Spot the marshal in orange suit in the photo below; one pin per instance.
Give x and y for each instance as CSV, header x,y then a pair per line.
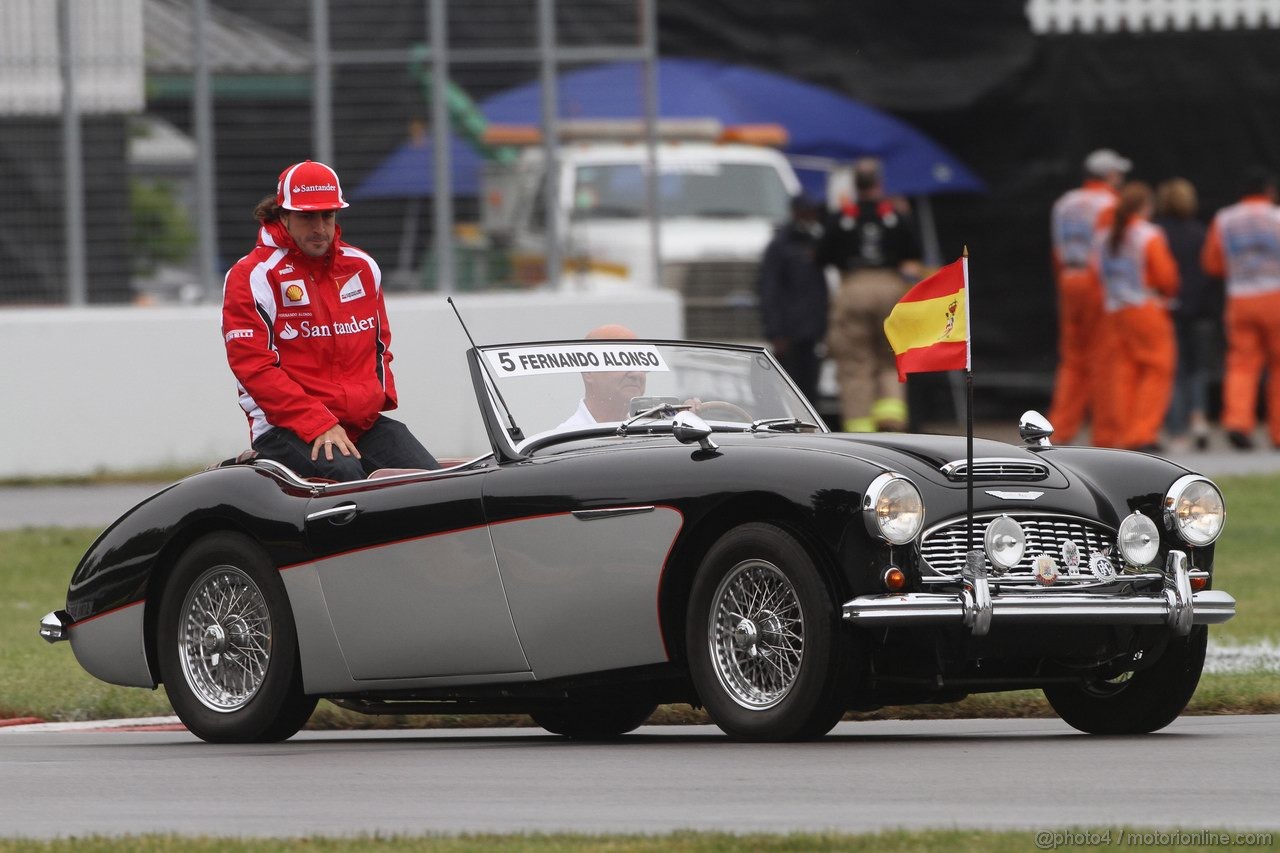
x,y
1076,216
1137,274
1243,247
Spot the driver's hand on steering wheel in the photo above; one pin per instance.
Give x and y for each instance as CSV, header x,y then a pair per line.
x,y
334,437
694,404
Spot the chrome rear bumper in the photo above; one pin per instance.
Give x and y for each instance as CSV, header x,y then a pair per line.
x,y
975,607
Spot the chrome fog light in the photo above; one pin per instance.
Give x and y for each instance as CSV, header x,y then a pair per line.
x,y
1005,543
893,509
1139,540
1194,509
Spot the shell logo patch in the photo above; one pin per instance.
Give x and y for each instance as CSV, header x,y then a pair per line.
x,y
294,293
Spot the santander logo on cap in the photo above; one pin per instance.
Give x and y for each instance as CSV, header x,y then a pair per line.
x,y
309,186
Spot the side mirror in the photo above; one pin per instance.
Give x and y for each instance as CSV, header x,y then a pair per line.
x,y
688,428
1034,428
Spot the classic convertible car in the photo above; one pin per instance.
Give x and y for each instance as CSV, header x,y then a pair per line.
x,y
662,522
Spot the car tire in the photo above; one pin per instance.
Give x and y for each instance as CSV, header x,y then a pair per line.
x,y
595,719
1144,701
773,673
227,646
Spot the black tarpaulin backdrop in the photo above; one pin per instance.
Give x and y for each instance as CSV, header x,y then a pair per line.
x,y
1023,111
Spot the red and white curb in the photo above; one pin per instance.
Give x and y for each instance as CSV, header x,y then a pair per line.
x,y
134,724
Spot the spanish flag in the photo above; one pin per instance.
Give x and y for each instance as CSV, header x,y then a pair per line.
x,y
929,327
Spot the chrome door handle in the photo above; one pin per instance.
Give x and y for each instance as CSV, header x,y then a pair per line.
x,y
340,514
610,512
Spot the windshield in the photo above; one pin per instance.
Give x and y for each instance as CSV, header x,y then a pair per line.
x,y
703,189
596,385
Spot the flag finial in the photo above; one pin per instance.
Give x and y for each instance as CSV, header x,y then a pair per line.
x,y
965,253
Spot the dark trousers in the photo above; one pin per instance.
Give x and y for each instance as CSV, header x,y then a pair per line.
x,y
387,444
801,362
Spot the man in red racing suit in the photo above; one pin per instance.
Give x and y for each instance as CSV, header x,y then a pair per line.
x,y
307,338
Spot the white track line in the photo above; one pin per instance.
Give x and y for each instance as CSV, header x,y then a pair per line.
x,y
91,725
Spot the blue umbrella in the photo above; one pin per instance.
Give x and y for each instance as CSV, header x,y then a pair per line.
x,y
410,172
820,123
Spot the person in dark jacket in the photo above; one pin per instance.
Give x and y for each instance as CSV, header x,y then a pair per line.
x,y
1197,317
794,296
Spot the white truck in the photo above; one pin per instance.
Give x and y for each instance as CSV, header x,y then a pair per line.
x,y
720,195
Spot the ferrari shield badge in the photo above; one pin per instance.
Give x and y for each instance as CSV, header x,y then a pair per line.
x,y
1070,553
1102,567
1045,568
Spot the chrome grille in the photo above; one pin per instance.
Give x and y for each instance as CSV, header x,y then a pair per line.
x,y
943,546
996,469
720,299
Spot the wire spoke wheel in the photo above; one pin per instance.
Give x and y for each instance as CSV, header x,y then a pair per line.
x,y
756,634
227,644
224,638
766,656
1137,701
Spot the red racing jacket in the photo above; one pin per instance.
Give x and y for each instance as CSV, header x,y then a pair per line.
x,y
307,338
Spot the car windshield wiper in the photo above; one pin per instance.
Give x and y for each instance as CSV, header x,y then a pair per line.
x,y
782,424
665,410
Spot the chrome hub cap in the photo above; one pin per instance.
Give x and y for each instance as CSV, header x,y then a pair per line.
x,y
224,638
756,634
746,635
214,641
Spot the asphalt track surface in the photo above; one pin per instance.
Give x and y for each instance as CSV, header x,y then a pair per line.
x,y
1201,772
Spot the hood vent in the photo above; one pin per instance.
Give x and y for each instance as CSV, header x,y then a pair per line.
x,y
995,468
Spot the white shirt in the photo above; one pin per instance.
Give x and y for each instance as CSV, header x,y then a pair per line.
x,y
580,418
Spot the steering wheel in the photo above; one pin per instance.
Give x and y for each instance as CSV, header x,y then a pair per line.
x,y
736,413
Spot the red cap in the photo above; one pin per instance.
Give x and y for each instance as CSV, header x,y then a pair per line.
x,y
309,186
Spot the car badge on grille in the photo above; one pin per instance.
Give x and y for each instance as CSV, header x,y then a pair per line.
x,y
1014,496
1102,567
1070,553
1045,568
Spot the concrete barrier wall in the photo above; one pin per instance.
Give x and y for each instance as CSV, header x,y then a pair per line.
x,y
124,389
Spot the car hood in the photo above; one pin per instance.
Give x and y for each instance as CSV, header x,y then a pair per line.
x,y
922,456
1086,481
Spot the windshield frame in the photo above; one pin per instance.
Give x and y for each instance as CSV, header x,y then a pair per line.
x,y
509,445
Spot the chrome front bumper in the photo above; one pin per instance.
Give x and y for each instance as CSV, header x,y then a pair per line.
x,y
975,607
56,626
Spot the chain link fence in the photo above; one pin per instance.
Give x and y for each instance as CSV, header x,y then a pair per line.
x,y
136,136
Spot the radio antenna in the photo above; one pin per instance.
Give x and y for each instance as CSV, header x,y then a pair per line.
x,y
514,431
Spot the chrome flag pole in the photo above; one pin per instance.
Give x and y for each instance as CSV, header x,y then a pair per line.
x,y
968,413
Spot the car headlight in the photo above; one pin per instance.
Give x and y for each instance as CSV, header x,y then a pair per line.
x,y
1139,540
893,509
1194,509
1005,541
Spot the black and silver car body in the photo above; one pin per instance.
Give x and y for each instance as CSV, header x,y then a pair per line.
x,y
714,545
